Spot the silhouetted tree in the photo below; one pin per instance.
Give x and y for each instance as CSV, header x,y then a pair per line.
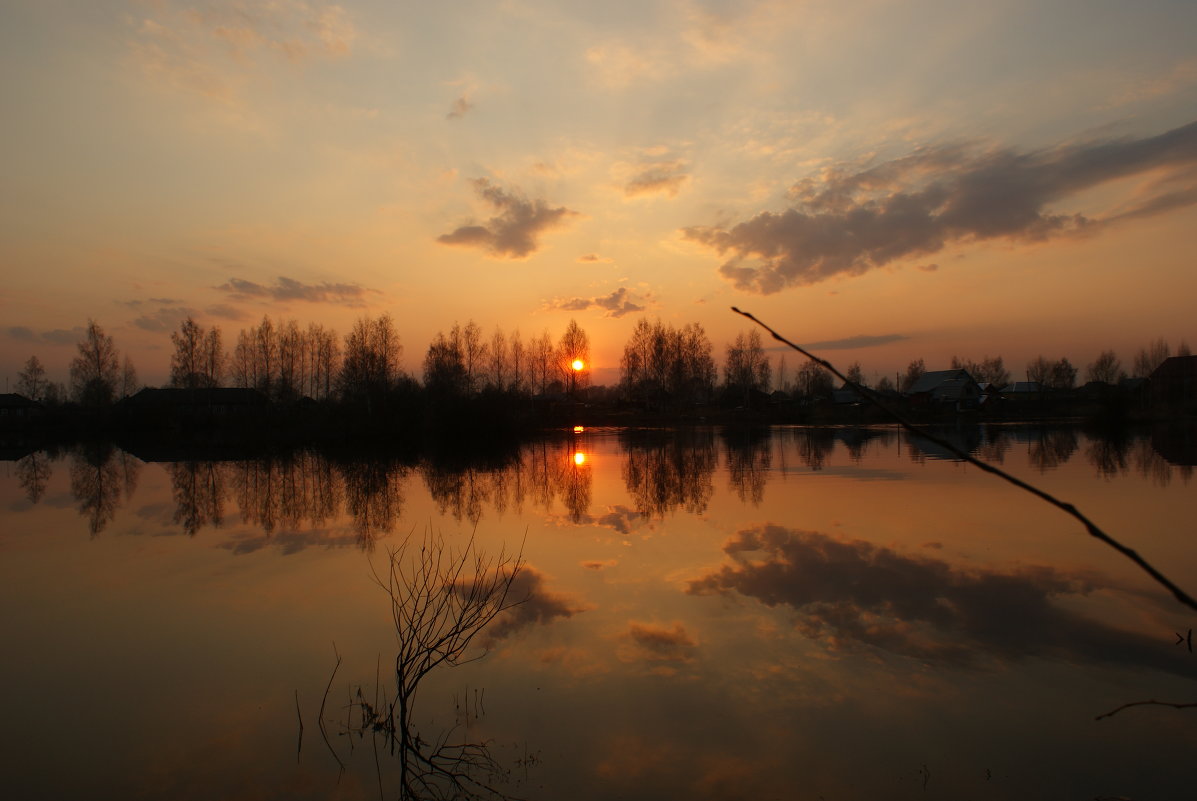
x,y
914,371
746,367
31,381
813,382
574,346
1150,357
660,359
855,374
1063,375
989,370
444,367
371,365
95,372
498,368
1106,368
129,384
188,368
1039,370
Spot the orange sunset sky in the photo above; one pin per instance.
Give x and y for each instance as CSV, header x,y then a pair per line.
x,y
881,180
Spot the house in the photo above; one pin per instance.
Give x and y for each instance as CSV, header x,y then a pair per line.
x,y
946,387
17,410
1174,382
155,406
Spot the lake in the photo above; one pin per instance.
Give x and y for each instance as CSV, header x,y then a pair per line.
x,y
807,613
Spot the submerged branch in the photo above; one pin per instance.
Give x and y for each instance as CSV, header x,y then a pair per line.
x,y
1067,508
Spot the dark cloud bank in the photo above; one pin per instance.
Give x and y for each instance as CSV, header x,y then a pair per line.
x,y
856,592
514,231
849,222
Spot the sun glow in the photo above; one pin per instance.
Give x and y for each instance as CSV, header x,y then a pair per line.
x,y
579,458
578,364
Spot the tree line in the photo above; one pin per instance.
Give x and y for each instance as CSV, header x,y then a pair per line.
x,y
661,365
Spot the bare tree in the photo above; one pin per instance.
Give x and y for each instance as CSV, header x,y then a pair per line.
x,y
1105,368
31,381
574,350
914,371
129,384
1039,370
989,370
95,372
499,368
440,599
1150,357
746,368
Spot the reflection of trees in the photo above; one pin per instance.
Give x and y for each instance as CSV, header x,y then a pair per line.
x,y
575,480
373,497
673,471
1052,448
1108,454
292,491
440,599
97,480
1150,464
199,493
33,472
749,457
459,492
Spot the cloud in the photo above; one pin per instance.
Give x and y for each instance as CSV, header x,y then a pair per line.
x,y
594,258
459,108
857,593
167,318
513,232
285,289
535,605
616,304
57,336
225,312
849,221
858,341
599,564
646,642
211,49
664,177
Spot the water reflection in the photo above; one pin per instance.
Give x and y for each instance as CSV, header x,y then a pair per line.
x,y
667,471
663,472
854,593
33,472
100,476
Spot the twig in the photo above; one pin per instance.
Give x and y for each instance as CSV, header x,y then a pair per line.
x,y
1151,702
323,730
298,714
1068,508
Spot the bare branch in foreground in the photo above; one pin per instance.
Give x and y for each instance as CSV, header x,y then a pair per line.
x,y
1068,508
1151,702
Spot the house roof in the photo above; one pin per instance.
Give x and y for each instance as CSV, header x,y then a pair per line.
x,y
227,396
938,379
13,400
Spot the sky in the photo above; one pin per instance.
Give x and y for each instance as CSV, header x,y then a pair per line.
x,y
883,181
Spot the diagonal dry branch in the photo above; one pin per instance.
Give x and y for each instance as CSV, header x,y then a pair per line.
x,y
1068,508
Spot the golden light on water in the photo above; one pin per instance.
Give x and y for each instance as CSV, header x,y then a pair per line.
x,y
578,364
579,458
578,429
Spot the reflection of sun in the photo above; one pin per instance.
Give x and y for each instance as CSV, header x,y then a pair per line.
x,y
579,458
578,364
578,429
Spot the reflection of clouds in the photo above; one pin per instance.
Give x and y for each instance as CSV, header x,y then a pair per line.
x,y
599,564
922,607
534,604
659,646
290,542
618,518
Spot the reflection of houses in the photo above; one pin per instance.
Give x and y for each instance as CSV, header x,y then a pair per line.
x,y
151,406
1174,382
946,387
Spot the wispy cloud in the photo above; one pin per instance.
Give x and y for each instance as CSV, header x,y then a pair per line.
x,y
848,221
662,177
461,106
513,233
858,341
211,48
286,289
56,336
616,304
165,318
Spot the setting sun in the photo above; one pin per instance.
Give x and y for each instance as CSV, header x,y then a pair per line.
x,y
578,364
579,458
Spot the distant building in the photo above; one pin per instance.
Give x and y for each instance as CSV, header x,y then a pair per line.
x,y
1174,382
946,387
151,405
17,410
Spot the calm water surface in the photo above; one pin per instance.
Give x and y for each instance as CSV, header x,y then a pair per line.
x,y
808,613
